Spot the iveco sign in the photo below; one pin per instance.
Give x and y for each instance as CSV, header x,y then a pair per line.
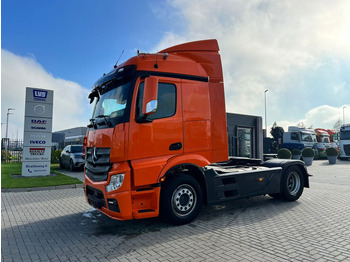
x,y
37,132
40,142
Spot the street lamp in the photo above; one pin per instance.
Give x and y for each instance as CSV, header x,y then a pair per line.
x,y
343,115
7,123
265,111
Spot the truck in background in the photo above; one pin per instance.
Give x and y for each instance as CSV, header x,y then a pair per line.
x,y
299,138
344,142
323,142
157,143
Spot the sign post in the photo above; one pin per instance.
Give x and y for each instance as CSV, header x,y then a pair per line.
x,y
37,132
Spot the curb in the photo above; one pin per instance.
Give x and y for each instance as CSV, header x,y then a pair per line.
x,y
33,189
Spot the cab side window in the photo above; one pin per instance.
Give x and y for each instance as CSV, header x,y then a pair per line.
x,y
166,101
295,136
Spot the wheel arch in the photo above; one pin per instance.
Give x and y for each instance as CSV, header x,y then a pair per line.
x,y
285,164
193,167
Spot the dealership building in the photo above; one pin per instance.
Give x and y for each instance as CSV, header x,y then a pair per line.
x,y
71,136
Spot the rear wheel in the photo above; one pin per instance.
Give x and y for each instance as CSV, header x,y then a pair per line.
x,y
181,200
277,196
292,183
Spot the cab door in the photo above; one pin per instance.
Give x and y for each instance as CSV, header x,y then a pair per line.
x,y
159,136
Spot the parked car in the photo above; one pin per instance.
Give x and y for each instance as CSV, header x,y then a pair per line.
x,y
72,157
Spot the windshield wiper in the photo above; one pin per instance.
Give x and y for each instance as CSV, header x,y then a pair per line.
x,y
106,118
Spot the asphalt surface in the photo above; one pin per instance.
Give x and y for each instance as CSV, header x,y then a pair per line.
x,y
58,225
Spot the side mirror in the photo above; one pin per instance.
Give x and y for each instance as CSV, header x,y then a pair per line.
x,y
150,93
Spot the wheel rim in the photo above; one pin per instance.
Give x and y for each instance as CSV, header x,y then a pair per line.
x,y
293,183
184,200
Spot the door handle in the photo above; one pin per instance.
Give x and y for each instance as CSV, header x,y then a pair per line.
x,y
175,146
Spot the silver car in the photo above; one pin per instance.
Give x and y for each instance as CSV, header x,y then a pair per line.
x,y
72,157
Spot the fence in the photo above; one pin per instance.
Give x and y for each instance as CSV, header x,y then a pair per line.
x,y
12,150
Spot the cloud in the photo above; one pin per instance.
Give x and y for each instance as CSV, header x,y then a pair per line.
x,y
71,107
293,48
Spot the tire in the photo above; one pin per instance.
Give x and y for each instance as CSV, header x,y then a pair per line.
x,y
277,196
71,165
181,200
292,183
61,164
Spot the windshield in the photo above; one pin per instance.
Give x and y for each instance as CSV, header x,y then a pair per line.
x,y
77,149
306,137
113,101
344,135
324,139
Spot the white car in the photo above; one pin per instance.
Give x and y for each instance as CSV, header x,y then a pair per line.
x,y
72,157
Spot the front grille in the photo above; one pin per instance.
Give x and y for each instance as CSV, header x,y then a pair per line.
x,y
97,163
97,173
95,197
98,155
347,149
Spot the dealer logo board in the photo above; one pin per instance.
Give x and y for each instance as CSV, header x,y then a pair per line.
x,y
37,132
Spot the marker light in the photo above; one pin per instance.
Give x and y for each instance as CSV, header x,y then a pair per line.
x,y
115,183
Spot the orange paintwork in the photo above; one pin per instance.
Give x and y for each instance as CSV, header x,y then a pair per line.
x,y
142,150
331,133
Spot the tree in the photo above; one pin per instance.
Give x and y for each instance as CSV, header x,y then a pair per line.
x,y
276,131
338,124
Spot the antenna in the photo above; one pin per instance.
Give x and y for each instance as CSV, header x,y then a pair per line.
x,y
156,64
116,64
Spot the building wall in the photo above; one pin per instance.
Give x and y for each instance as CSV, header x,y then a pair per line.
x,y
68,136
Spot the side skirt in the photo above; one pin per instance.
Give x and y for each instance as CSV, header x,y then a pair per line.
x,y
226,186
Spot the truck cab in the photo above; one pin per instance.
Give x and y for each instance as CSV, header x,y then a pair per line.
x,y
299,138
344,142
157,140
323,141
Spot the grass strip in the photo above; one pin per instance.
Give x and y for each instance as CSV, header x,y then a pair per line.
x,y
9,169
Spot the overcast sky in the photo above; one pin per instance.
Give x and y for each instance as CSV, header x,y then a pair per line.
x,y
298,50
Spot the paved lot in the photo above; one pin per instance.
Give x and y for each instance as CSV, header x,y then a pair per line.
x,y
58,225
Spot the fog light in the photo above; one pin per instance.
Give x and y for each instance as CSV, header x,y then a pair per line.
x,y
115,183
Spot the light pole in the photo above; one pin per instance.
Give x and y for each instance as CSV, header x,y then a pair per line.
x,y
265,112
343,115
7,124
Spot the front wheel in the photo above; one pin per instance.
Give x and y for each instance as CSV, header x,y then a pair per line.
x,y
292,183
181,200
71,165
61,164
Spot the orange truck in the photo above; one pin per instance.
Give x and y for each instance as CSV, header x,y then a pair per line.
x,y
157,141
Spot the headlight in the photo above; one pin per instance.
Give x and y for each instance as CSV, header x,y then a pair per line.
x,y
116,182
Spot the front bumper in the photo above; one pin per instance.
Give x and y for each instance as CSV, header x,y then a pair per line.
x,y
79,163
126,202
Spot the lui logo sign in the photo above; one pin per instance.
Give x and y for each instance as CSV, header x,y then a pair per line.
x,y
39,95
